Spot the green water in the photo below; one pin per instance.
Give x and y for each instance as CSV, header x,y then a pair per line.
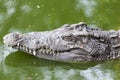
x,y
39,15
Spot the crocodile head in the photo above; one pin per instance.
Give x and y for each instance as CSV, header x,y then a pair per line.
x,y
70,43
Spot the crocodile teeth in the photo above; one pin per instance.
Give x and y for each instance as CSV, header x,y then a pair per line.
x,y
21,47
58,53
30,51
114,57
51,53
34,52
18,44
42,50
54,53
47,51
70,46
26,49
118,55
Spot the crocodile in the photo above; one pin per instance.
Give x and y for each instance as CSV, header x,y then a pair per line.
x,y
69,43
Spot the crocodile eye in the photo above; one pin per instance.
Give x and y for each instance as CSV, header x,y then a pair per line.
x,y
78,27
81,26
68,38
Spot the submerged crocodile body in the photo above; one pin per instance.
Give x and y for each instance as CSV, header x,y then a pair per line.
x,y
70,43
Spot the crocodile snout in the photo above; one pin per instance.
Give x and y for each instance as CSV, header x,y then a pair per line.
x,y
11,39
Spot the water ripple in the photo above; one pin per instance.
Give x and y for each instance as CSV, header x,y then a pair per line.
x,y
87,5
26,8
96,73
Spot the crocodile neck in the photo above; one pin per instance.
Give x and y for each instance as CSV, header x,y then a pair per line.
x,y
115,44
112,39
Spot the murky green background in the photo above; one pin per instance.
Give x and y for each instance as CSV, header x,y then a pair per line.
x,y
39,15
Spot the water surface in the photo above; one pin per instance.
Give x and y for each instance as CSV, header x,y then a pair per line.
x,y
39,15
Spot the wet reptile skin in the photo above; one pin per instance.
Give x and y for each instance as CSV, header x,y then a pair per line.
x,y
69,43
